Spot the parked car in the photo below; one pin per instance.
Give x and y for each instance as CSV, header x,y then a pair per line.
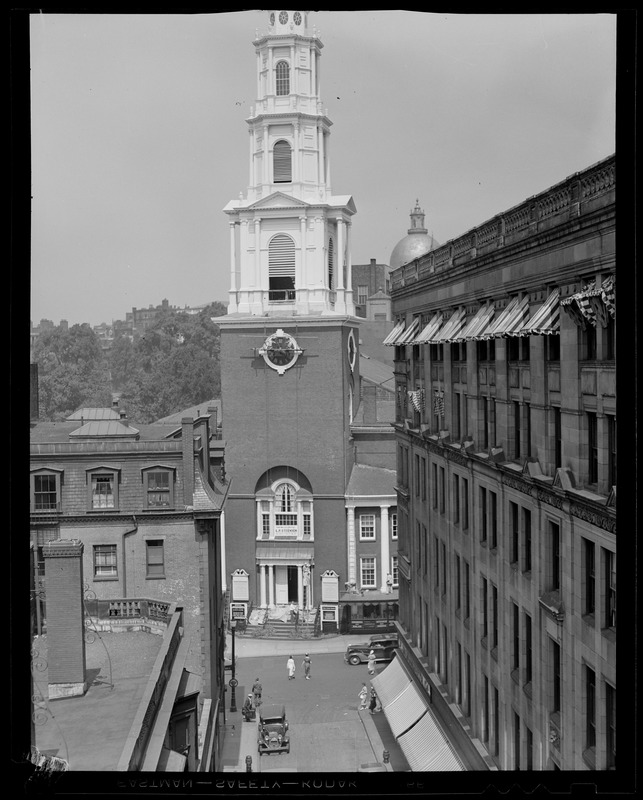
x,y
273,730
383,644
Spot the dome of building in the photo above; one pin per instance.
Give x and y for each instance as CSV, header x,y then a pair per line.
x,y
416,243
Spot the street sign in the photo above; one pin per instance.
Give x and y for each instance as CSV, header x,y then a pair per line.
x,y
233,682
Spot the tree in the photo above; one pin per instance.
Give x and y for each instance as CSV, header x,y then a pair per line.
x,y
72,371
173,365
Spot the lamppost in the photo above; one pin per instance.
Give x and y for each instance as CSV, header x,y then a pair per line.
x,y
233,680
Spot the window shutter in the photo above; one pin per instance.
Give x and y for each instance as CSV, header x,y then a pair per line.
x,y
281,257
282,162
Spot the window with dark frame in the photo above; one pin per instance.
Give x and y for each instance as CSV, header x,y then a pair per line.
x,y
528,650
516,416
158,488
589,583
556,684
45,492
493,519
554,539
485,709
590,707
552,348
609,340
558,438
444,569
592,447
610,726
515,653
485,608
526,520
434,481
456,499
103,490
442,490
483,514
515,531
155,558
609,581
494,616
458,585
516,741
105,563
611,450
467,590
588,343
465,503
527,416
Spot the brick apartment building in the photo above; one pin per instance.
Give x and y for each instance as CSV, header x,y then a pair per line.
x,y
506,478
145,502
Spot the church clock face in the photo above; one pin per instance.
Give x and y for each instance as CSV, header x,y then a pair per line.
x,y
352,351
280,351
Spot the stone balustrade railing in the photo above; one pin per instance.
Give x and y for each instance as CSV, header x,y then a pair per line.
x,y
569,199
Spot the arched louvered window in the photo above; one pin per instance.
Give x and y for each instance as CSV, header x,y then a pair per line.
x,y
282,78
281,267
331,264
282,162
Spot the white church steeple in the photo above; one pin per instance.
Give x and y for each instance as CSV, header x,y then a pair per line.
x,y
289,236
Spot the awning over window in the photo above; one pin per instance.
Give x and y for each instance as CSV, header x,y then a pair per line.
x,y
427,749
410,333
391,682
512,318
293,554
450,329
478,325
593,304
430,329
545,321
405,710
397,330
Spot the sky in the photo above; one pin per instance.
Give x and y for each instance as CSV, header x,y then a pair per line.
x,y
139,139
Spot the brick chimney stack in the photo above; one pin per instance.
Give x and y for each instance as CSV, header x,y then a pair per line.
x,y
187,440
65,618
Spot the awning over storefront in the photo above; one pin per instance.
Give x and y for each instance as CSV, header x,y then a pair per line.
x,y
545,321
397,330
594,304
450,330
409,334
512,318
429,330
405,710
292,554
478,325
426,748
391,682
412,721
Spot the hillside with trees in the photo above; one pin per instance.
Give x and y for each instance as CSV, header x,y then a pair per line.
x,y
173,365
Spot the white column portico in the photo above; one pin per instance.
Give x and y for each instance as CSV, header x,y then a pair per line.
x,y
271,585
385,557
262,586
350,545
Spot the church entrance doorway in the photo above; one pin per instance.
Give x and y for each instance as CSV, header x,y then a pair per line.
x,y
293,586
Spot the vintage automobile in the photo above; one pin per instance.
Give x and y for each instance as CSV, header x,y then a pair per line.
x,y
273,730
383,645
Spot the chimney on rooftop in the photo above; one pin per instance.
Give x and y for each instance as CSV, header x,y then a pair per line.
x,y
65,618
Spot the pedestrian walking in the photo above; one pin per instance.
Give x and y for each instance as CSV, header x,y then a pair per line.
x,y
372,706
290,664
363,694
256,693
248,709
306,665
293,612
371,663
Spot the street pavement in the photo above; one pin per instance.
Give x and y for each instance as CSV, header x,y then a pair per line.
x,y
328,732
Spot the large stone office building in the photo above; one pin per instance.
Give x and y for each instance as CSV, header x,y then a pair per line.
x,y
506,444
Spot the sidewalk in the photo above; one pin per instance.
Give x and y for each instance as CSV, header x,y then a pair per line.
x,y
251,647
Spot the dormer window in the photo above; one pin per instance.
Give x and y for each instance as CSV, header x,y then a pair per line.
x,y
158,483
102,489
282,78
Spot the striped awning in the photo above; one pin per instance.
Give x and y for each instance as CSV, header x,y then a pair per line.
x,y
512,318
478,325
405,710
545,321
391,682
594,304
392,336
450,330
410,333
430,329
427,749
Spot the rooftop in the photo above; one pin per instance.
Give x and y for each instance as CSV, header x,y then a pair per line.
x,y
90,732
